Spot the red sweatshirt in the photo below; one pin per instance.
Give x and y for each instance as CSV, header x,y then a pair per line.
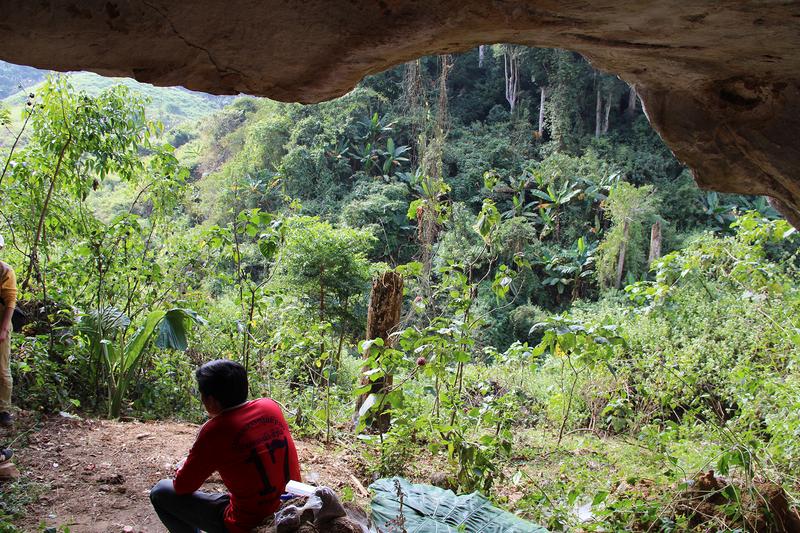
x,y
255,456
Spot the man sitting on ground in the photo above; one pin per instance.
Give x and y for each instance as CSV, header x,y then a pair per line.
x,y
248,443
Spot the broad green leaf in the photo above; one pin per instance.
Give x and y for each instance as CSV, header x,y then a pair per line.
x,y
172,328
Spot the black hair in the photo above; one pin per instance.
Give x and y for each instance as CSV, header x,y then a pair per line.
x,y
225,380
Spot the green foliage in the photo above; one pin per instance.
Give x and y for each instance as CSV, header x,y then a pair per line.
x,y
568,76
5,116
631,210
50,380
17,495
511,368
381,208
167,388
570,268
325,266
708,355
123,356
77,142
721,320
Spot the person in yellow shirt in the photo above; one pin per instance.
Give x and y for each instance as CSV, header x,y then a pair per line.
x,y
8,294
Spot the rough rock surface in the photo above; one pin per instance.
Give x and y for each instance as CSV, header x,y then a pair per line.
x,y
720,80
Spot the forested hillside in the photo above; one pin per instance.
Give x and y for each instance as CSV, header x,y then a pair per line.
x,y
583,332
171,106
14,78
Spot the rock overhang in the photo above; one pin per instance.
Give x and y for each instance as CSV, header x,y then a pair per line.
x,y
718,80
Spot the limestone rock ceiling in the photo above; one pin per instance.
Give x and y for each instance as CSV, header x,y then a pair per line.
x,y
719,79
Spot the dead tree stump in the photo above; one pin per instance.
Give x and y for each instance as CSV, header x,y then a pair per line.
x,y
383,318
655,243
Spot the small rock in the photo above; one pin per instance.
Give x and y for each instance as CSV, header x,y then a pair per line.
x,y
115,479
442,480
141,436
127,529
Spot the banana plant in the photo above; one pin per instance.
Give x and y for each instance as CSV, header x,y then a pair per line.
x,y
756,203
569,267
597,191
393,157
105,330
375,126
338,150
518,188
720,214
553,199
367,152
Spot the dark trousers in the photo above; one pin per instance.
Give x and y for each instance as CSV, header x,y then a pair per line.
x,y
189,513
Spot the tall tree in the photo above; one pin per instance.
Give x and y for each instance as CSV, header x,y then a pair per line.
x,y
541,65
542,101
511,60
623,250
76,142
630,111
324,265
597,111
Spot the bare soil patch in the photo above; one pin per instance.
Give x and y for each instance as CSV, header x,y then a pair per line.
x,y
96,474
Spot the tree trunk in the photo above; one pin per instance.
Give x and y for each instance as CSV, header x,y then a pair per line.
x,y
606,113
321,375
383,318
511,64
655,243
598,114
630,112
623,248
413,96
442,116
34,253
481,50
14,145
542,97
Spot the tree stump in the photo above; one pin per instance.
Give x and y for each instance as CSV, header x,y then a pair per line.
x,y
655,243
383,318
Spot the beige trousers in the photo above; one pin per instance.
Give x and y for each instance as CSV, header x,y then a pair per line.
x,y
5,375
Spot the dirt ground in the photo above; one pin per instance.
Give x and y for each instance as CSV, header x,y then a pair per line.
x,y
96,474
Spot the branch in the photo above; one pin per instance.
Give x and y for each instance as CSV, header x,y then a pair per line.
x,y
13,146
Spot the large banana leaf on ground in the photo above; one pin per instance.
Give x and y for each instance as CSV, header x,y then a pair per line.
x,y
426,508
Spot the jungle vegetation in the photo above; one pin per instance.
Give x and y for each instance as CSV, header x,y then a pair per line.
x,y
583,331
